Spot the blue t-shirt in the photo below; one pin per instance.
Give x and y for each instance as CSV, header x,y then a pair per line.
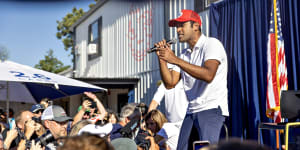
x,y
115,132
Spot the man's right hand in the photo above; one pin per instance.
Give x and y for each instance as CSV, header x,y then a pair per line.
x,y
29,128
91,95
35,146
165,52
12,134
86,105
166,55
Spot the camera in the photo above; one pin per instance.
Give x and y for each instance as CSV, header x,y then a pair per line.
x,y
45,139
141,141
129,128
93,103
37,120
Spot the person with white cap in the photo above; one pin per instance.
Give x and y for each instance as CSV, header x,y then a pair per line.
x,y
99,130
203,69
55,120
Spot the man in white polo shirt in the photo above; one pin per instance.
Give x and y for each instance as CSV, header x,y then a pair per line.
x,y
203,69
175,109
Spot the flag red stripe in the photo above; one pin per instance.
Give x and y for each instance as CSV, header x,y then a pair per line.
x,y
273,66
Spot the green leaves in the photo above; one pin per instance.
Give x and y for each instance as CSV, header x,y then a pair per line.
x,y
63,27
4,54
51,63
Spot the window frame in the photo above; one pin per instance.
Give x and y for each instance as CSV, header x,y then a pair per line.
x,y
95,41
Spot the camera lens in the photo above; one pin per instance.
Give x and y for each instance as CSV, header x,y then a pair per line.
x,y
45,139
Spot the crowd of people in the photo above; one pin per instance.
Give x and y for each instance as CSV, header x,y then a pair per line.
x,y
195,89
47,126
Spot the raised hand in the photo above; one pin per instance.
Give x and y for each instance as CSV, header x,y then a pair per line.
x,y
86,105
100,106
13,133
91,95
35,146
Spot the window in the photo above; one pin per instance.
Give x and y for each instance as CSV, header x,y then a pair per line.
x,y
94,39
94,32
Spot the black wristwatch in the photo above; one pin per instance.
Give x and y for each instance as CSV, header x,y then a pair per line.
x,y
27,144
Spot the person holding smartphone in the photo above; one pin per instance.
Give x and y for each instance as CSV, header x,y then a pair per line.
x,y
91,107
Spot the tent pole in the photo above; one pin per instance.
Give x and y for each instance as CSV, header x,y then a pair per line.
x,y
7,102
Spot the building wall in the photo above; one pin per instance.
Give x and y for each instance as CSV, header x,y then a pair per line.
x,y
112,101
75,102
129,28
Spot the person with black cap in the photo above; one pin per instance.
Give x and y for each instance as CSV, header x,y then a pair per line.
x,y
55,120
203,69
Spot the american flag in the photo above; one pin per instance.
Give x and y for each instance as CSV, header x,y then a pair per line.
x,y
277,71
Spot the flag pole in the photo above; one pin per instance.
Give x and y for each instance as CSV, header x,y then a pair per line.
x,y
276,49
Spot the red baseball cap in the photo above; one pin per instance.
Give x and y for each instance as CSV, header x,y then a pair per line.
x,y
186,15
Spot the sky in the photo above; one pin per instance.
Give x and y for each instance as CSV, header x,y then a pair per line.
x,y
28,28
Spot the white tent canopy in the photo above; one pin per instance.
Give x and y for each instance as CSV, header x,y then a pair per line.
x,y
27,84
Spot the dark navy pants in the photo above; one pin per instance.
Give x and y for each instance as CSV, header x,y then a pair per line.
x,y
208,124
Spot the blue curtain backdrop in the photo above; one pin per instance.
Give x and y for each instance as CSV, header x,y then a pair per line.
x,y
242,26
290,14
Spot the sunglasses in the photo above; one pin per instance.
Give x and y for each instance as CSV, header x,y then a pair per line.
x,y
39,111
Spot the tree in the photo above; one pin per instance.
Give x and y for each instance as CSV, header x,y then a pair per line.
x,y
51,64
63,27
3,53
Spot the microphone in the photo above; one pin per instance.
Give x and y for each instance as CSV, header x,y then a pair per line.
x,y
153,49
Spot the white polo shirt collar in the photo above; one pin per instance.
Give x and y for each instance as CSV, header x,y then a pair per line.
x,y
199,45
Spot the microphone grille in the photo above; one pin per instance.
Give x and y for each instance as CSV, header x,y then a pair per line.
x,y
173,41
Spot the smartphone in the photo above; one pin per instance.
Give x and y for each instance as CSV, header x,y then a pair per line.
x,y
199,144
50,103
